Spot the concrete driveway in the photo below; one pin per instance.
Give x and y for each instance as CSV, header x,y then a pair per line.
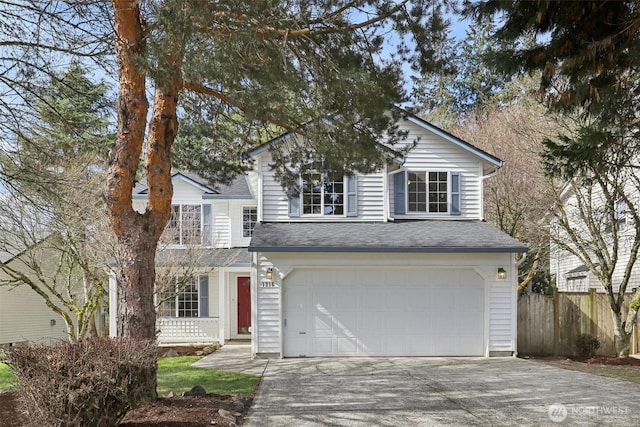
x,y
433,391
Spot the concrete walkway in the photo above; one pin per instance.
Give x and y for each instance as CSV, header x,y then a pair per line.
x,y
233,357
428,392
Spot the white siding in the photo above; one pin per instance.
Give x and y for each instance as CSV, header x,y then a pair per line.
x,y
433,153
214,295
266,334
502,315
275,204
221,223
500,301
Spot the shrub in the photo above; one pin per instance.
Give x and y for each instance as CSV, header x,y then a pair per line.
x,y
90,382
586,345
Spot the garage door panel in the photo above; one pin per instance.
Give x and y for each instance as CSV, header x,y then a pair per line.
x,y
468,323
370,345
345,298
323,345
397,299
369,322
324,298
347,346
323,323
371,300
446,346
421,299
396,345
395,323
416,313
423,345
345,323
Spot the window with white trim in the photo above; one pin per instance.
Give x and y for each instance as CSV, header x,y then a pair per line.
x,y
185,225
322,194
249,219
428,192
180,299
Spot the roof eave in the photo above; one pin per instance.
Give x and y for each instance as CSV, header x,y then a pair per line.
x,y
366,249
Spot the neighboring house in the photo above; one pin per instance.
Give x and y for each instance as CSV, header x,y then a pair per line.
x,y
570,272
398,262
24,315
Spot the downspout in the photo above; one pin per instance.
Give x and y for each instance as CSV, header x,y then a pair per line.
x,y
385,188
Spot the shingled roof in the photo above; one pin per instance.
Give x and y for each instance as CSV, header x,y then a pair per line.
x,y
237,187
204,257
399,236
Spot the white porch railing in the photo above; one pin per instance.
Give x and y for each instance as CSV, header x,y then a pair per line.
x,y
191,330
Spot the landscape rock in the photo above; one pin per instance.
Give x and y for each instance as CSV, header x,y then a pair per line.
x,y
196,391
211,348
227,416
170,353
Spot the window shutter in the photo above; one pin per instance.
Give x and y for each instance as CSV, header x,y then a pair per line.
x,y
203,296
400,191
455,193
294,203
352,195
207,226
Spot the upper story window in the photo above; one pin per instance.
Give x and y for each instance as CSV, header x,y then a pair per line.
x,y
428,192
249,219
180,299
433,192
325,194
185,225
322,194
619,216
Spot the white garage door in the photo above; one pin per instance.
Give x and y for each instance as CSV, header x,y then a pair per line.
x,y
375,312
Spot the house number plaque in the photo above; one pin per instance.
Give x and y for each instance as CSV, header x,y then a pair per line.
x,y
268,285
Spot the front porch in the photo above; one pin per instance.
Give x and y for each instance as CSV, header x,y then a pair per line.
x,y
188,330
214,307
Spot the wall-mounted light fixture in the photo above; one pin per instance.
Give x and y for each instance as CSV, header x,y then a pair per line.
x,y
269,274
502,273
52,322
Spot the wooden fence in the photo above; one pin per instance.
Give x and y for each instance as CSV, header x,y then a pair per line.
x,y
550,324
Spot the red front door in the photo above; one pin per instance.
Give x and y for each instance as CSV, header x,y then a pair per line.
x,y
244,304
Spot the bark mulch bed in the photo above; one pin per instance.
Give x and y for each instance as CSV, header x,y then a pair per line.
x,y
623,368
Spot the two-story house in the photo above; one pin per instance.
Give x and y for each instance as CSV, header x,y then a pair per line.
x,y
393,263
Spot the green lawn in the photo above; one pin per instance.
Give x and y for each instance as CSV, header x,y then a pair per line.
x,y
7,378
175,374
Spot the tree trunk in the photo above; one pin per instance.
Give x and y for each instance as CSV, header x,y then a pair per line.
x,y
632,315
135,281
138,234
622,339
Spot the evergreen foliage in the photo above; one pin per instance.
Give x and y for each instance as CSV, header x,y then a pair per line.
x,y
587,54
